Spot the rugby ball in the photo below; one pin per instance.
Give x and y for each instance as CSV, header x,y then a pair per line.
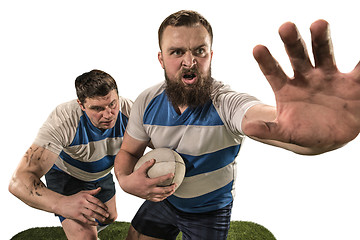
x,y
166,161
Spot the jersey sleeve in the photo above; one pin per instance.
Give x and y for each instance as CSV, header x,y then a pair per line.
x,y
232,107
59,129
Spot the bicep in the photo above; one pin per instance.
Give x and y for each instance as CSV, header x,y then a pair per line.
x,y
131,150
37,160
133,146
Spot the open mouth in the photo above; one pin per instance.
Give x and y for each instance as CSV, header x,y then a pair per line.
x,y
189,77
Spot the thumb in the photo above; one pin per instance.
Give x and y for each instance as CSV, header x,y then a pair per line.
x,y
262,130
356,72
147,165
94,191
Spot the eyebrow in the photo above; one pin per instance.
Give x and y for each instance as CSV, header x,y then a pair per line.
x,y
101,107
182,48
96,107
171,49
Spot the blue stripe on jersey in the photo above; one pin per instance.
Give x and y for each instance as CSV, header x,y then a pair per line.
x,y
91,167
209,162
205,203
86,132
161,112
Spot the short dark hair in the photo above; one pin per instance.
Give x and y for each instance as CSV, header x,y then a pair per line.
x,y
93,84
184,18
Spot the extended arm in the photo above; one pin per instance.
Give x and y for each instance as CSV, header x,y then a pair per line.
x,y
319,108
27,186
138,183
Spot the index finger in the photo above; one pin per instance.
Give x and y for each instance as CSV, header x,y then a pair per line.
x,y
90,197
97,206
270,67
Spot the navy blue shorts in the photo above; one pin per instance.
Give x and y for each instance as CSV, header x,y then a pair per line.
x,y
162,220
63,183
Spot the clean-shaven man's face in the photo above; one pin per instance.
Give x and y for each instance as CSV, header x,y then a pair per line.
x,y
102,110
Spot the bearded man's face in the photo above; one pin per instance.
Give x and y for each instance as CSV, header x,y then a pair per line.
x,y
186,58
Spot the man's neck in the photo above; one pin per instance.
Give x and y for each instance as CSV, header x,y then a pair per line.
x,y
180,109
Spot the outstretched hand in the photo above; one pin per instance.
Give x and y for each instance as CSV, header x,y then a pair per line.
x,y
319,106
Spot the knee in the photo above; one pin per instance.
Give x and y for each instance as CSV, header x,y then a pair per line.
x,y
82,233
90,235
132,234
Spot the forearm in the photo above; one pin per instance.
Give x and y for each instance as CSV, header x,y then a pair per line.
x,y
26,185
123,167
131,150
137,182
32,191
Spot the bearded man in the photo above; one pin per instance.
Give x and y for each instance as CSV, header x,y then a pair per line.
x,y
205,122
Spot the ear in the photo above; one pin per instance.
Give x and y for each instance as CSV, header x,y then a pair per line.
x,y
161,60
81,105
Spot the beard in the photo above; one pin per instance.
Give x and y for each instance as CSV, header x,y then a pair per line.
x,y
194,95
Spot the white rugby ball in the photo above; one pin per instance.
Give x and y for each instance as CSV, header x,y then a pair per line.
x,y
166,161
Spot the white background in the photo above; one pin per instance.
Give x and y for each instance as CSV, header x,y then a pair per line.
x,y
45,45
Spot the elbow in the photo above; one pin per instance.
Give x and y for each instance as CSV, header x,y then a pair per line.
x,y
122,182
15,185
12,186
119,177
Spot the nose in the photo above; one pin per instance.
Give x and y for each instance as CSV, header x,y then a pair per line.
x,y
188,60
107,113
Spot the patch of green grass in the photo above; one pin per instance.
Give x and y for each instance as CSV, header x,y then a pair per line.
x,y
117,230
41,234
239,230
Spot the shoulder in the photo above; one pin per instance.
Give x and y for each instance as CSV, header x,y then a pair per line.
x,y
148,94
64,118
68,106
67,111
125,105
219,87
223,93
135,126
60,127
153,91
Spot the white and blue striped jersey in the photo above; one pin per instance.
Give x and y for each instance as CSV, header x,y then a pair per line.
x,y
208,138
85,152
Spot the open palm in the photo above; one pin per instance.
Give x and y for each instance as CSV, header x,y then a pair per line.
x,y
319,106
